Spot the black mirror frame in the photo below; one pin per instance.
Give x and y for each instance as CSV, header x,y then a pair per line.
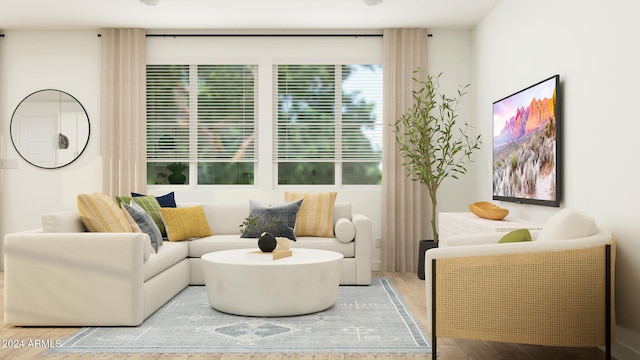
x,y
79,153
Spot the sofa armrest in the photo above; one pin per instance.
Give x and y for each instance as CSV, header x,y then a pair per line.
x,y
363,243
70,279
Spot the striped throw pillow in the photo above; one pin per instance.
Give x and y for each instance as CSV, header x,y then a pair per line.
x,y
101,214
315,217
150,205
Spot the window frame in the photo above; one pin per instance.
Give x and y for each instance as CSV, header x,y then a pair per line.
x,y
265,51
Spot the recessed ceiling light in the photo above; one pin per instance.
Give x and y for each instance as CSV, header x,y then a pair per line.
x,y
150,2
373,2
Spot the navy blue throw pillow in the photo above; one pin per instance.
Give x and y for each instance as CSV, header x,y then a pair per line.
x,y
167,200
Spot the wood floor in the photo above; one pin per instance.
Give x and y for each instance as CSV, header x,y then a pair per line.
x,y
30,341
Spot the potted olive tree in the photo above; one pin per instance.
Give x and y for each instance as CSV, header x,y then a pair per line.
x,y
434,143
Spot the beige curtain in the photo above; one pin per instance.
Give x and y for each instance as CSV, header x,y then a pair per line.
x,y
405,203
123,111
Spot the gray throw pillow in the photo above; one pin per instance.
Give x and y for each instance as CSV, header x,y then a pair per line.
x,y
277,219
146,223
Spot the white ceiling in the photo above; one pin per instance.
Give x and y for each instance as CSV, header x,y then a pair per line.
x,y
241,14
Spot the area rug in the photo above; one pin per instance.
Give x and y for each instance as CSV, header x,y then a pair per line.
x,y
364,320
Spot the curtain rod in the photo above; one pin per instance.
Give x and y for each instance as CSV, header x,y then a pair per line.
x,y
264,35
260,35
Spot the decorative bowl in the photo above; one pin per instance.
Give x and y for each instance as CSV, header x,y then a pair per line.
x,y
488,210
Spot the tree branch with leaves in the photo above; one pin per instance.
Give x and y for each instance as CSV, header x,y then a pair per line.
x,y
432,144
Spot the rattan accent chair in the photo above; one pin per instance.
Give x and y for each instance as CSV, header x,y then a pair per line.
x,y
556,290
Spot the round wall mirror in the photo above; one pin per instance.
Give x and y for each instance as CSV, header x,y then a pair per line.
x,y
50,129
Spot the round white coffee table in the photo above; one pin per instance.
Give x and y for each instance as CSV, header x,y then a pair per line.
x,y
246,282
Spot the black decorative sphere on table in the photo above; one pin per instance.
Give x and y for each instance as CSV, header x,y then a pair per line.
x,y
267,242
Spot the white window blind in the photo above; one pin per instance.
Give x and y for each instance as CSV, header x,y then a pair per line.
x,y
168,107
361,116
200,113
327,113
203,116
304,112
226,113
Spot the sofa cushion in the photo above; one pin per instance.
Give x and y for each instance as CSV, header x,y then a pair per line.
x,y
345,230
62,222
341,210
185,223
199,247
101,214
167,256
224,218
315,217
567,224
145,223
278,219
348,250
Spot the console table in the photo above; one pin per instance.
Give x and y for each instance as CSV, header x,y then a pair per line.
x,y
462,223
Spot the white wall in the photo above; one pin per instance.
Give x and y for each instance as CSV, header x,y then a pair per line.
x,y
35,60
593,46
450,54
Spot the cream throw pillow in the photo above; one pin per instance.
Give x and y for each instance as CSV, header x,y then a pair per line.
x,y
568,224
315,217
345,230
101,214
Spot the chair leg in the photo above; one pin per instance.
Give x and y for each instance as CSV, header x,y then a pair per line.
x,y
607,301
434,340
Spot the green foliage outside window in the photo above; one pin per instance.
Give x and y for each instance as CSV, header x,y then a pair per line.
x,y
205,115
308,115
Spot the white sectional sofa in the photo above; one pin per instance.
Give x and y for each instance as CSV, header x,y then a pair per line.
x,y
62,275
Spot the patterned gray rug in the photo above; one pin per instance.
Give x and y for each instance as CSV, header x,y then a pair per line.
x,y
365,320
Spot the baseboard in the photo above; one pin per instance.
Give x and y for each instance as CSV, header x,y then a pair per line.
x,y
624,352
376,265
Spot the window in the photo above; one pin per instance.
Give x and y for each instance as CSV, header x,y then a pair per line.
x,y
328,124
201,124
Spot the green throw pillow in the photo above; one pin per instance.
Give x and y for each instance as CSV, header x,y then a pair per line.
x,y
519,235
150,204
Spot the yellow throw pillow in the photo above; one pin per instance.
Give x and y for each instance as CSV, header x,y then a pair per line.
x,y
101,214
184,223
315,217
